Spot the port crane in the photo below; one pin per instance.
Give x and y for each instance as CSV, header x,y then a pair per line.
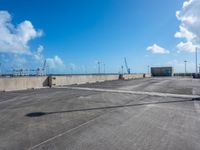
x,y
44,67
126,65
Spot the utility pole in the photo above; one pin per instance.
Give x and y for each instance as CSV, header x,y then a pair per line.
x,y
99,67
0,69
199,68
85,69
148,69
47,69
185,66
196,60
104,68
71,69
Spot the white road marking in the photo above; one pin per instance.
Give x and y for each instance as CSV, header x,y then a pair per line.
x,y
197,107
133,92
70,130
63,133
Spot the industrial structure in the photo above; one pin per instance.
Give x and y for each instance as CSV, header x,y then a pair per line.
x,y
126,65
161,71
40,71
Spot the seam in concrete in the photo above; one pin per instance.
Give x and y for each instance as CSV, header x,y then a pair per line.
x,y
197,107
133,92
25,89
71,130
63,133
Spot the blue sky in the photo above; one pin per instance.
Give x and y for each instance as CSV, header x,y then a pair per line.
x,y
75,34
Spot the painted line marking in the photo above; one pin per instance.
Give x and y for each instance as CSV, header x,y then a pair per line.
x,y
63,133
197,107
70,130
132,92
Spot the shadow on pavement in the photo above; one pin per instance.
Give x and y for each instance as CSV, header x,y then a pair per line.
x,y
39,114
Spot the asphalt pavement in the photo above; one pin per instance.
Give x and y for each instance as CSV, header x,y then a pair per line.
x,y
140,114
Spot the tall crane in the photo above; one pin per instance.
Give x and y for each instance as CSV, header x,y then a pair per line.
x,y
127,68
44,67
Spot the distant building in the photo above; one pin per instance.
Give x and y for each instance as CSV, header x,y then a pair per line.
x,y
161,71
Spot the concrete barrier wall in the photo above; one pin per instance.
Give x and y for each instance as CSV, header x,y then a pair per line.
x,y
21,83
80,79
135,76
183,74
147,75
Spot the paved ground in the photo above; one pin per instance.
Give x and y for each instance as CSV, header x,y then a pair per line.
x,y
102,116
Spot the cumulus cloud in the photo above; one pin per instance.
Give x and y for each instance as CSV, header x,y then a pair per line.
x,y
189,26
55,62
14,47
14,39
38,54
186,47
184,33
179,66
157,49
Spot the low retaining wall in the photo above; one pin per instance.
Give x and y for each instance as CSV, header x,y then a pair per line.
x,y
183,74
22,83
80,79
134,76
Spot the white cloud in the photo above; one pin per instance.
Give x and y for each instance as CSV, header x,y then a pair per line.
x,y
15,39
187,3
179,66
14,46
157,49
38,54
186,47
189,25
184,33
55,62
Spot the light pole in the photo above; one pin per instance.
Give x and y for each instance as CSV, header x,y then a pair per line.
x,y
71,70
185,65
0,69
85,69
104,68
199,68
196,60
99,67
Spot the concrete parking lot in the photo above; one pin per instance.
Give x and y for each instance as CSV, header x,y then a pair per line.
x,y
141,114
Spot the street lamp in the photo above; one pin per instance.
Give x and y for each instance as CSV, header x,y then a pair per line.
x,y
196,60
104,68
98,67
71,69
0,69
199,68
185,65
